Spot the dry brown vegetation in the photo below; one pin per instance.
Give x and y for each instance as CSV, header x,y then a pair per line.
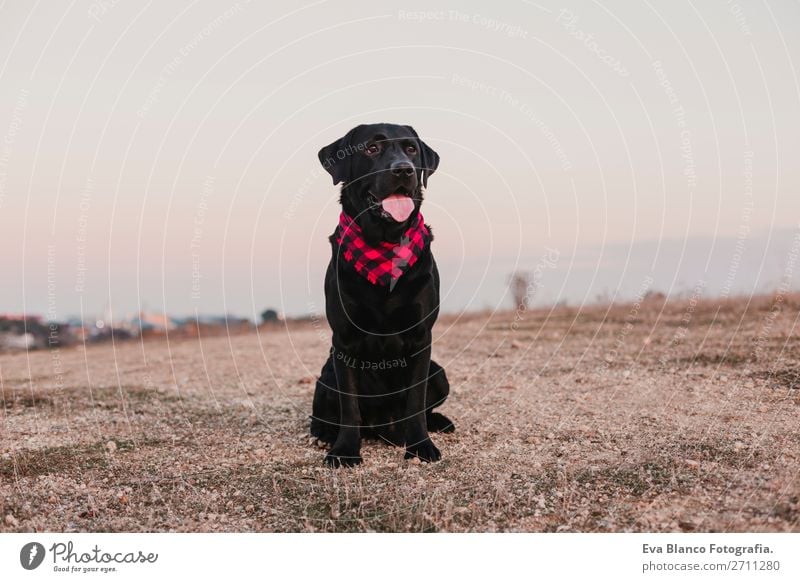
x,y
676,417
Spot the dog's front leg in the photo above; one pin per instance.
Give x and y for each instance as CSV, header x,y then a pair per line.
x,y
418,442
346,451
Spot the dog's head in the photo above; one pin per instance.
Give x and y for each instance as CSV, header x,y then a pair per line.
x,y
383,169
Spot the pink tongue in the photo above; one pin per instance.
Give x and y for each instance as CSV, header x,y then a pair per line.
x,y
400,207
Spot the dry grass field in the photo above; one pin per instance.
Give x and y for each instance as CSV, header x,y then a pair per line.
x,y
651,417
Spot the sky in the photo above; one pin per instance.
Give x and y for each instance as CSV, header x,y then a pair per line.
x,y
164,157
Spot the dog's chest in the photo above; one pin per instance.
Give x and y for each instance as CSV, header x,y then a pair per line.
x,y
394,311
402,311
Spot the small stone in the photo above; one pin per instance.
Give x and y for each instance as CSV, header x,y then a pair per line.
x,y
784,511
111,447
11,520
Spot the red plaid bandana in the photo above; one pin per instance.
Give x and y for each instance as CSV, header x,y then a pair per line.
x,y
385,263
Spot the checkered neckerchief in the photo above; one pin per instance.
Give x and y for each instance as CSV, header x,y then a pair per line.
x,y
385,263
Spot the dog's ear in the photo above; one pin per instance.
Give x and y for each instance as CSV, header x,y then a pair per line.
x,y
337,158
428,159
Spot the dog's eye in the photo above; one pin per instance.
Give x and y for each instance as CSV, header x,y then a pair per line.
x,y
373,149
410,149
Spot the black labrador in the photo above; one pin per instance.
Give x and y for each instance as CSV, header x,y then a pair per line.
x,y
381,299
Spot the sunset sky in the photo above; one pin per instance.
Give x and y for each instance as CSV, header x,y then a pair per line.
x,y
165,157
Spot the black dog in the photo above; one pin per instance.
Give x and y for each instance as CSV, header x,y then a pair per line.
x,y
382,299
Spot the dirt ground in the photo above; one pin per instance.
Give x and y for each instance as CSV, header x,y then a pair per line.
x,y
651,417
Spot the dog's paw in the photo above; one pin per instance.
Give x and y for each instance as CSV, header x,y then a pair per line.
x,y
342,459
425,451
438,422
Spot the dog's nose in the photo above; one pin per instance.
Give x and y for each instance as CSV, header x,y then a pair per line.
x,y
402,168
